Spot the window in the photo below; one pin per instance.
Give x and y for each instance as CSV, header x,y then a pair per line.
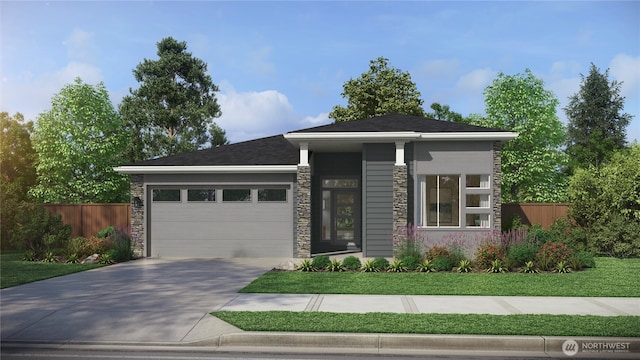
x,y
340,183
272,195
236,195
478,201
441,200
478,181
197,195
169,195
477,220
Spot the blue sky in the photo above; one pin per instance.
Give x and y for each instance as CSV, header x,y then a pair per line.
x,y
281,65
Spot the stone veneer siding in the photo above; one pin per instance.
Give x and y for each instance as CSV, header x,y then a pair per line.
x,y
303,212
137,216
399,197
497,190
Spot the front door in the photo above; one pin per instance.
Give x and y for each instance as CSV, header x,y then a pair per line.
x,y
341,215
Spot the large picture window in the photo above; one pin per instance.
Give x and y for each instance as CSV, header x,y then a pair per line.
x,y
441,200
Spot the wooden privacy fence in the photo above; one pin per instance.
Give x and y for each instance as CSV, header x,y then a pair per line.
x,y
535,213
88,219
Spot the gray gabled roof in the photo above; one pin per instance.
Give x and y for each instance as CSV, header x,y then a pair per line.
x,y
398,123
278,150
273,150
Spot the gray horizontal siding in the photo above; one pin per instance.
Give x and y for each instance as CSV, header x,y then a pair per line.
x,y
378,160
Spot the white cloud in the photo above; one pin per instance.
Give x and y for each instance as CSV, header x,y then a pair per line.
x,y
320,119
80,45
475,81
626,69
31,94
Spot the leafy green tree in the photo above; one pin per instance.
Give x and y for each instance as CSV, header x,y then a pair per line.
x,y
17,169
174,107
597,126
444,112
531,163
79,141
380,91
605,202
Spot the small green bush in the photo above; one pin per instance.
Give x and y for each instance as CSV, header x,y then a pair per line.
x,y
108,257
321,262
397,266
38,230
30,255
426,266
529,268
562,267
104,233
497,267
305,265
368,266
487,252
335,266
520,254
580,260
351,263
464,266
410,262
122,245
380,263
407,241
542,236
442,264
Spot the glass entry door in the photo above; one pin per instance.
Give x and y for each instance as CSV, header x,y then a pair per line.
x,y
341,216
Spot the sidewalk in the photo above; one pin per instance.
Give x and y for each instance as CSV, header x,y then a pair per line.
x,y
494,305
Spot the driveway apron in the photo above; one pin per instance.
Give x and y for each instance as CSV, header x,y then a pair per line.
x,y
147,300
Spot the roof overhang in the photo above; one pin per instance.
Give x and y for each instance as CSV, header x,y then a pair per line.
x,y
354,140
207,169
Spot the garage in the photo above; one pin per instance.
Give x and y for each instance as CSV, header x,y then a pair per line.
x,y
220,220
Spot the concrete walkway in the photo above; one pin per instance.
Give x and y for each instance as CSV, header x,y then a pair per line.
x,y
495,305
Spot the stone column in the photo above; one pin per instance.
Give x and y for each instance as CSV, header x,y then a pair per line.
x,y
399,197
137,215
303,210
497,190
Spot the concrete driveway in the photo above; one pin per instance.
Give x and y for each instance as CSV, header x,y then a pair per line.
x,y
142,301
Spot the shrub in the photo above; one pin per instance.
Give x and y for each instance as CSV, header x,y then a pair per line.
x,y
368,266
580,260
95,245
456,252
562,268
617,236
515,237
335,265
305,265
397,266
520,254
540,235
121,244
551,253
106,232
442,264
107,258
407,241
380,263
410,262
574,236
464,266
321,262
426,266
49,257
77,247
529,268
497,267
437,251
351,263
487,252
38,230
30,255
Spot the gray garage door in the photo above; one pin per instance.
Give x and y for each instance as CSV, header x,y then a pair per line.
x,y
214,222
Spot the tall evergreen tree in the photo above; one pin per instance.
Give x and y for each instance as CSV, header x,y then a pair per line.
x,y
173,109
380,91
597,126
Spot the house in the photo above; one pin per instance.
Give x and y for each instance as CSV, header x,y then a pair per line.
x,y
337,187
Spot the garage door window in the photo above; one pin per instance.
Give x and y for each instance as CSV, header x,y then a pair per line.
x,y
200,195
236,195
272,195
168,195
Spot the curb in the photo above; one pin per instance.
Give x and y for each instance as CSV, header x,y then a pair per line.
x,y
385,344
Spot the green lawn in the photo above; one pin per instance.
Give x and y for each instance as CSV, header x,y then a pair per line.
x,y
543,325
14,271
611,278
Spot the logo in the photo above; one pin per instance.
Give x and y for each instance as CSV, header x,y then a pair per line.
x,y
570,347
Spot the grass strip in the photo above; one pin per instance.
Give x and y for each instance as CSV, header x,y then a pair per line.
x,y
459,324
611,278
14,271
